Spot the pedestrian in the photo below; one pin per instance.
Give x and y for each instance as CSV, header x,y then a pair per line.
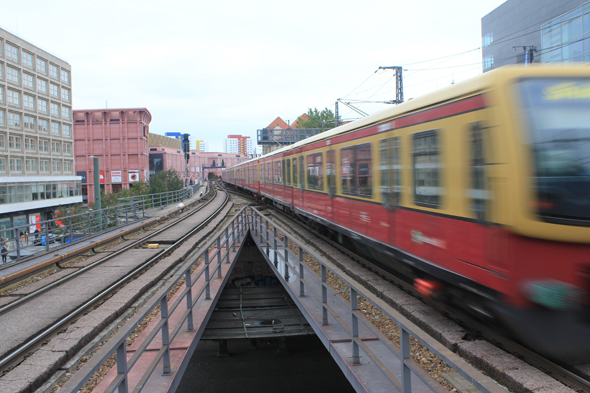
x,y
4,253
27,236
36,234
22,238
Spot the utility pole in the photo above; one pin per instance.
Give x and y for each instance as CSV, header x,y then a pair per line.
x,y
399,84
336,114
186,148
529,52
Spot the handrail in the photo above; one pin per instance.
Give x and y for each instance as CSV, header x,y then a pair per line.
x,y
267,237
197,286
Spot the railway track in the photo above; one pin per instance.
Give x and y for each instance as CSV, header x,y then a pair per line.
x,y
567,374
52,308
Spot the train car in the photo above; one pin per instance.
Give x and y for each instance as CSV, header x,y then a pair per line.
x,y
479,193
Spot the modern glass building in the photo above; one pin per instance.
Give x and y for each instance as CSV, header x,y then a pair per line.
x,y
37,171
536,31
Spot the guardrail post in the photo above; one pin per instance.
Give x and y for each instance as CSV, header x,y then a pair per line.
x,y
122,367
276,259
301,273
287,276
134,209
207,279
89,223
18,245
143,209
219,257
267,239
227,244
165,335
106,219
233,235
189,300
355,326
153,203
47,236
324,297
404,342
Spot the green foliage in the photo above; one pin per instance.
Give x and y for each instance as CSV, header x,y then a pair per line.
x,y
318,119
165,181
136,189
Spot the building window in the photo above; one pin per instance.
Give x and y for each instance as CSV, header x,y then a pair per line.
x,y
65,112
42,85
44,165
13,119
12,52
31,165
65,95
28,80
65,76
67,148
3,164
53,90
14,142
27,59
12,74
55,109
68,166
30,144
43,124
488,61
55,147
29,122
43,146
41,66
2,141
29,101
1,93
43,106
53,70
488,39
54,128
2,117
56,166
13,97
66,129
427,165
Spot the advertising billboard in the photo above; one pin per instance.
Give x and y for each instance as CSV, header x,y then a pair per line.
x,y
133,176
116,176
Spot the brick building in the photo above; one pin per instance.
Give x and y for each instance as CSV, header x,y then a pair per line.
x,y
119,138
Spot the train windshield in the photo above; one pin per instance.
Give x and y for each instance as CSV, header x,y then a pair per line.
x,y
557,112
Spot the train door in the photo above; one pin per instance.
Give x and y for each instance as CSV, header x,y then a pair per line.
x,y
287,180
331,182
390,169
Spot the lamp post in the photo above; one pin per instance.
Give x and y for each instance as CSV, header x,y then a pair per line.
x,y
97,201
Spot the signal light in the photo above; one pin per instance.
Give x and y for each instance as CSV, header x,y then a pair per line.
x,y
427,288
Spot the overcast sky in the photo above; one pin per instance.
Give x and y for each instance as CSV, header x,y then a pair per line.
x,y
214,68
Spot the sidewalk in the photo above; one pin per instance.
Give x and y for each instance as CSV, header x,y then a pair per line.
x,y
57,249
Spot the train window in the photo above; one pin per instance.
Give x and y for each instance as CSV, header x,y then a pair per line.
x,y
478,191
278,172
427,189
283,174
288,171
315,171
295,177
331,172
269,172
390,169
356,170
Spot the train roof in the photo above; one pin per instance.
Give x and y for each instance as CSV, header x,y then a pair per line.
x,y
462,89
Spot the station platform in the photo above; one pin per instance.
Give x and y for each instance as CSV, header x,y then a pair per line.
x,y
57,250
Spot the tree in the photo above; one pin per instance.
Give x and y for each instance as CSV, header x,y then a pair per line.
x,y
317,119
165,181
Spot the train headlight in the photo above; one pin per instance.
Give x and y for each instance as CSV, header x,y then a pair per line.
x,y
553,294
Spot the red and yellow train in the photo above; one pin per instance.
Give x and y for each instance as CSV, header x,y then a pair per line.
x,y
480,193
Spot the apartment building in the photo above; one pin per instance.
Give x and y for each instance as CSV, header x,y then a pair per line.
x,y
238,144
37,171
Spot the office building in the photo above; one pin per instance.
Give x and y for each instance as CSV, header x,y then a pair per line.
x,y
536,31
119,138
37,169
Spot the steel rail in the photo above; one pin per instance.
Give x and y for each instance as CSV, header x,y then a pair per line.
x,y
559,372
72,314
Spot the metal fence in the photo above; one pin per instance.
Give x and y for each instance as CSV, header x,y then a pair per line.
x,y
198,280
24,241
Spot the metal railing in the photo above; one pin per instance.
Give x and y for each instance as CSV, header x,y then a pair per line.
x,y
197,286
162,199
24,241
290,268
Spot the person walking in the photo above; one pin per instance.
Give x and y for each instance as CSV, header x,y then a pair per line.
x,y
4,253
